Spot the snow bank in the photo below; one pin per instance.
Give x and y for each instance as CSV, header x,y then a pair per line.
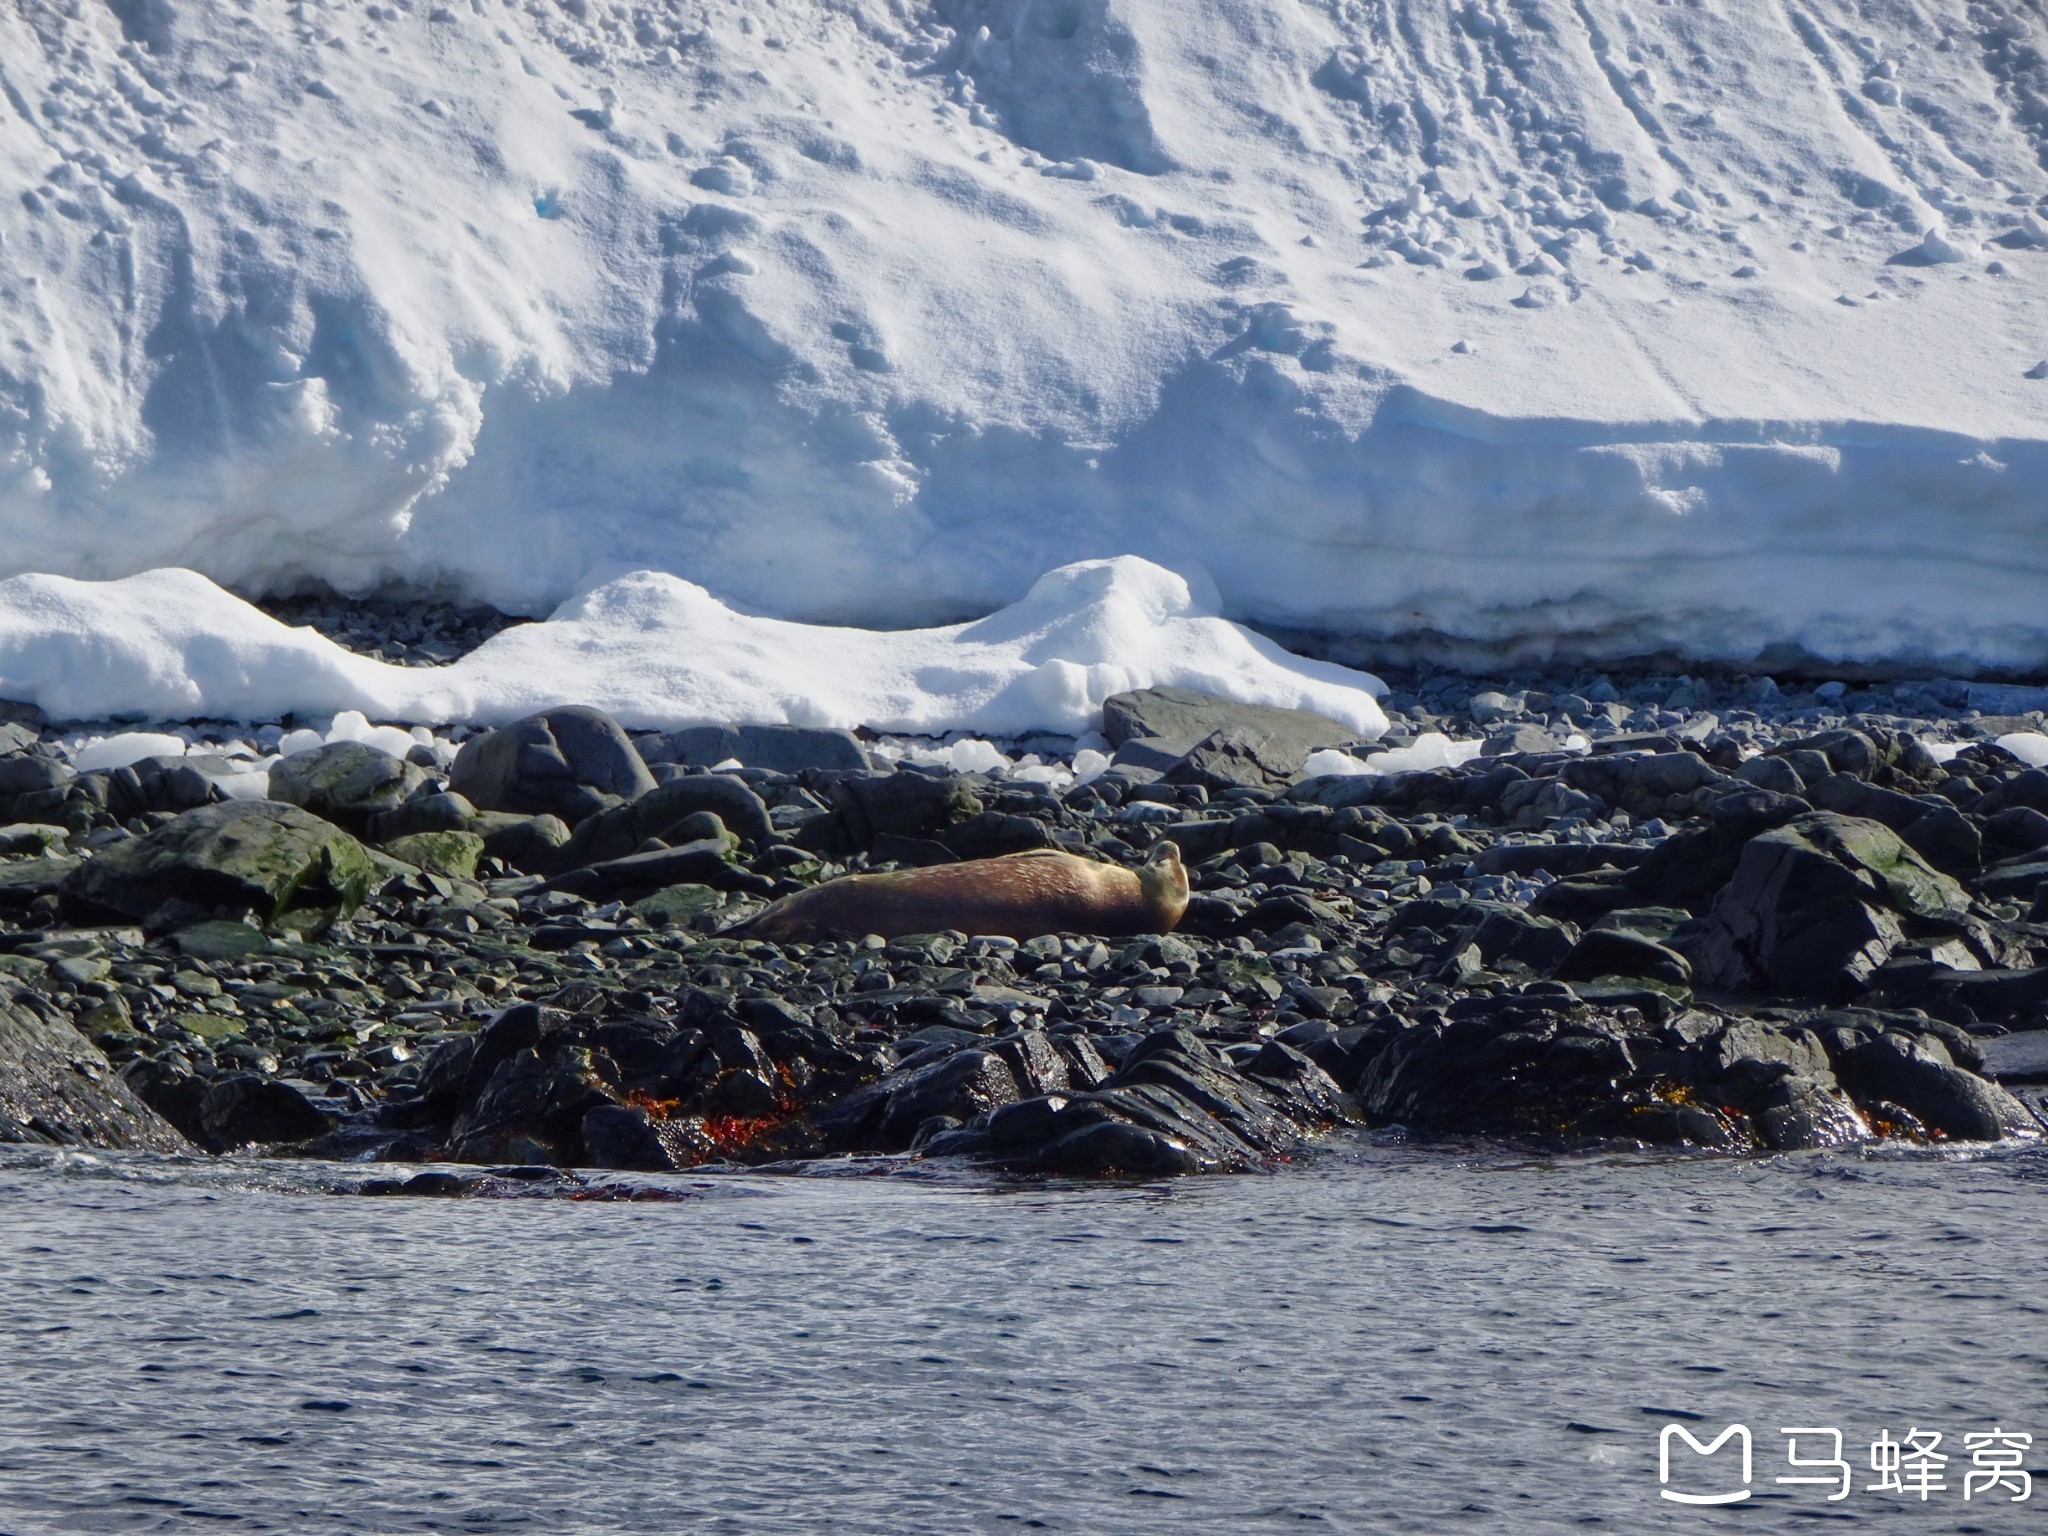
x,y
1550,325
660,652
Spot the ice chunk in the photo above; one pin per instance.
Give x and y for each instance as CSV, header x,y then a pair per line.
x,y
2030,747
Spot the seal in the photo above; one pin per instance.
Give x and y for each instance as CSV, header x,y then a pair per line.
x,y
1020,896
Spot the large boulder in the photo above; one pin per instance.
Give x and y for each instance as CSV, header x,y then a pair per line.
x,y
1917,1073
1196,738
571,762
277,862
56,1088
1818,904
346,782
1177,718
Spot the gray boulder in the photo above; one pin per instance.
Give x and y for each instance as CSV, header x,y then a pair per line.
x,y
346,782
277,862
57,1089
1180,717
571,762
778,748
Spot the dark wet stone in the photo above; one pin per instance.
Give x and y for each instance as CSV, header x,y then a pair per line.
x,y
907,803
244,1109
442,812
1918,1073
1618,952
57,1088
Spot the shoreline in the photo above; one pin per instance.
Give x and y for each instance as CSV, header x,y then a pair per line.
x,y
1560,941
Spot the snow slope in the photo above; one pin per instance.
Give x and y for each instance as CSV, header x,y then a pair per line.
x,y
1584,326
658,652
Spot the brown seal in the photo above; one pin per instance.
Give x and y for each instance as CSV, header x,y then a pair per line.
x,y
1021,896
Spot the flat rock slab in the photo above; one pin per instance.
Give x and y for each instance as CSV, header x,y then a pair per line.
x,y
56,1089
2016,1058
1175,719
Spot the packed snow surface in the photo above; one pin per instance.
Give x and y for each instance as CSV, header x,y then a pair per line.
x,y
1556,326
657,652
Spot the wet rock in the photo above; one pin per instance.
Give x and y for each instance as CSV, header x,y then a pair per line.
x,y
1236,757
276,862
1504,935
245,1109
345,782
159,784
1918,1073
57,1088
571,762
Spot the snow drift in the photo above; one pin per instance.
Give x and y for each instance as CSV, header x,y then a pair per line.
x,y
1551,325
660,652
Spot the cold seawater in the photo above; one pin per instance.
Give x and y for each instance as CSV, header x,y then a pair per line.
x,y
1387,1338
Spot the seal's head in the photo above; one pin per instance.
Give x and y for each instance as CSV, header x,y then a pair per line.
x,y
1164,880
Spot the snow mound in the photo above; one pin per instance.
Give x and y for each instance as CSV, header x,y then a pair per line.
x,y
659,652
1432,749
1590,327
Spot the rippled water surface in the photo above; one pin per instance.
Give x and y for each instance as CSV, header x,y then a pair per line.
x,y
1390,1339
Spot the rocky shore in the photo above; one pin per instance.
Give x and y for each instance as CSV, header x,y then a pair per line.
x,y
1653,911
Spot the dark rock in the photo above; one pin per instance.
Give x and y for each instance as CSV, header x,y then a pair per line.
x,y
705,863
57,1088
1504,935
443,812
1618,952
1918,1073
345,782
159,784
1563,860
621,1136
1236,757
778,748
243,1109
660,814
2016,1058
453,854
276,862
907,803
533,844
570,762
1815,906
